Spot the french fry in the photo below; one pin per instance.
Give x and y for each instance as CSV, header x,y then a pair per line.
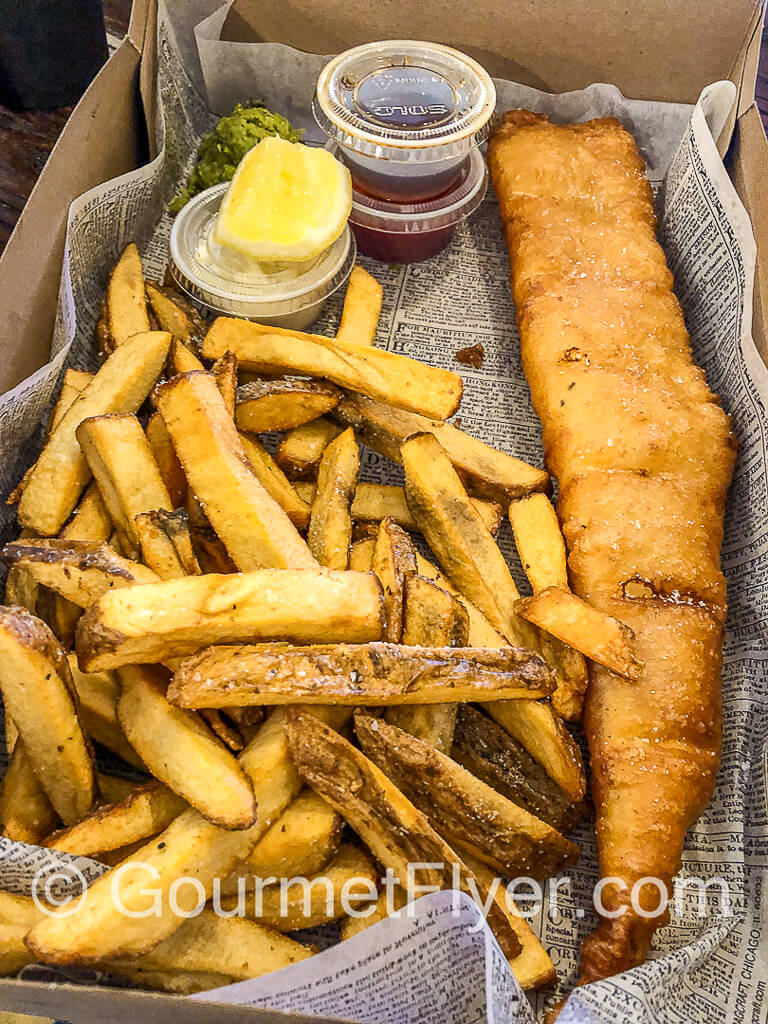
x,y
598,636
59,614
62,472
125,470
224,371
361,555
397,834
251,524
536,728
225,731
373,502
484,748
181,359
361,310
176,617
330,524
78,570
176,315
302,448
21,589
351,873
463,808
113,789
166,544
90,521
371,371
180,983
462,542
541,548
149,809
481,632
181,751
394,560
98,693
373,673
99,929
282,404
167,462
488,472
13,953
300,843
26,813
126,302
275,482
39,695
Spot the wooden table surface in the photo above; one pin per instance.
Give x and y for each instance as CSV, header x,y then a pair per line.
x,y
27,137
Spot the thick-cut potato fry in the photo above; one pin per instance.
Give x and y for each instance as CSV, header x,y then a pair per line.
x,y
166,543
180,983
541,548
176,315
26,813
299,844
361,555
397,834
481,632
224,371
125,470
90,520
330,524
351,873
40,697
533,968
596,635
13,953
488,472
484,748
463,808
181,359
126,302
61,472
462,542
275,482
181,751
394,560
59,614
21,589
302,448
225,731
373,502
167,461
149,809
177,617
78,570
283,403
251,524
362,308
113,789
536,728
98,693
99,929
375,674
383,375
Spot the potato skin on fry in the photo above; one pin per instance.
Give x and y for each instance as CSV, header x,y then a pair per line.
x,y
270,405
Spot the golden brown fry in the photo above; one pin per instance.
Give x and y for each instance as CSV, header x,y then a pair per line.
x,y
302,448
90,520
176,315
181,359
330,524
396,833
394,560
126,303
251,524
98,693
125,470
373,502
180,983
462,807
166,459
225,731
595,634
149,809
26,813
61,472
463,544
275,482
488,472
361,310
166,544
40,697
283,403
225,372
383,375
481,632
59,614
374,673
100,929
78,570
13,953
113,789
361,555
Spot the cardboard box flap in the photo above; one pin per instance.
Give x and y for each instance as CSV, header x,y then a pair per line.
x,y
556,47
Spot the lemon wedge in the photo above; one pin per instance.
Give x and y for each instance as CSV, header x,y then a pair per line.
x,y
286,203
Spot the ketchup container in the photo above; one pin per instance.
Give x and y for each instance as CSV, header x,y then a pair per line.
x,y
405,116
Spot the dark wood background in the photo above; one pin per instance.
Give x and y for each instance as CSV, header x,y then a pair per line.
x,y
26,138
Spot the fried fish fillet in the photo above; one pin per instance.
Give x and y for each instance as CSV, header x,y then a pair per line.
x,y
644,455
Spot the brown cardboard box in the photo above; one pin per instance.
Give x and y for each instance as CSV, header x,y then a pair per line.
x,y
653,50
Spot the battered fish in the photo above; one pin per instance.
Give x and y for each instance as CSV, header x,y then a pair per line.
x,y
644,455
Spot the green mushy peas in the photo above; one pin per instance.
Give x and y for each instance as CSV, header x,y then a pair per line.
x,y
222,150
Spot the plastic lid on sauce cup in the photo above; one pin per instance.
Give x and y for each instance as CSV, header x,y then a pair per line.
x,y
224,281
404,100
